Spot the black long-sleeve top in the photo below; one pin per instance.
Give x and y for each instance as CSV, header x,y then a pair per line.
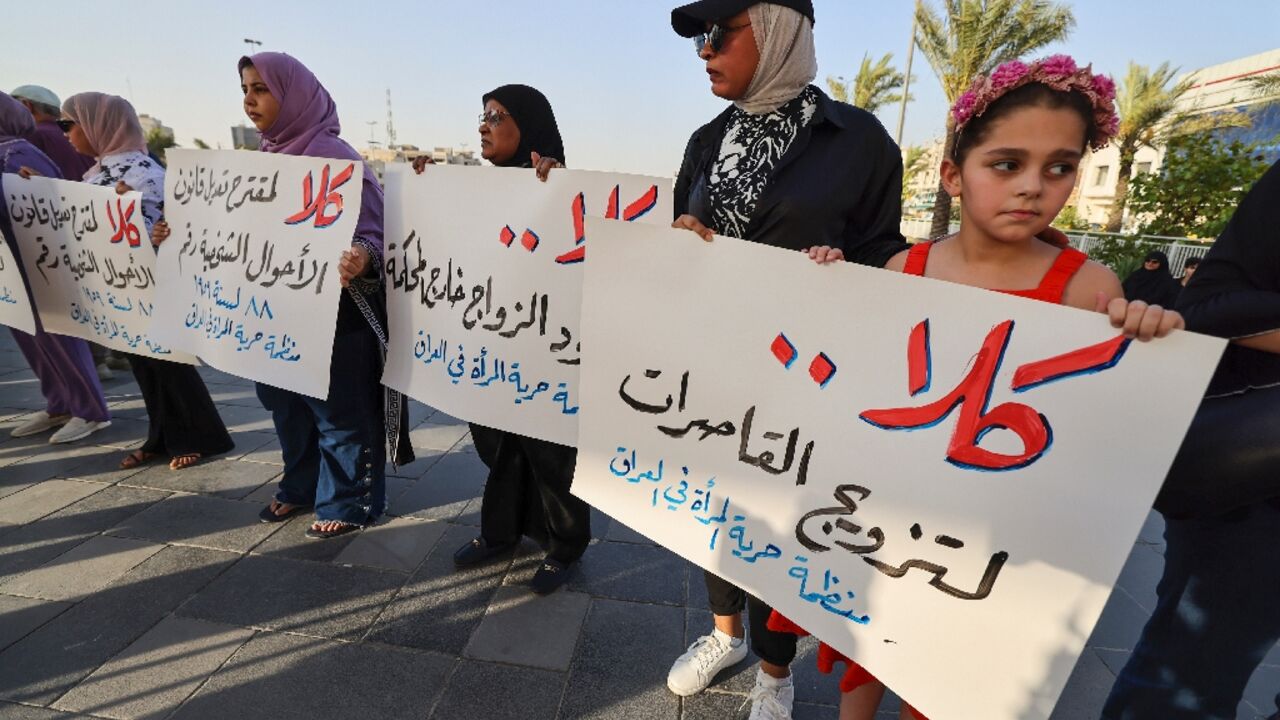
x,y
839,184
1235,293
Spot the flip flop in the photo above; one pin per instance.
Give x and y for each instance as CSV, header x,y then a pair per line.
x,y
267,515
136,458
343,528
195,460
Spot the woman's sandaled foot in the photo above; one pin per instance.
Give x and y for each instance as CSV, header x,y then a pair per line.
x,y
136,458
323,529
181,462
279,512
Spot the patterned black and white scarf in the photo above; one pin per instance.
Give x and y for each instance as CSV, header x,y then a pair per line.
x,y
751,147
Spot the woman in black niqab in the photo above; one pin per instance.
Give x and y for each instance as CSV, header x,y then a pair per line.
x,y
1152,285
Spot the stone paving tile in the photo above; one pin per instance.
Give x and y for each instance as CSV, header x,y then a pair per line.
x,y
30,546
83,570
423,460
224,478
620,671
199,520
631,572
11,711
302,597
242,395
399,544
44,665
19,616
51,462
44,498
246,419
248,445
291,542
151,677
445,489
1140,575
284,676
1120,625
123,434
526,693
102,466
1086,690
1262,693
520,628
267,453
440,607
619,532
432,436
1113,659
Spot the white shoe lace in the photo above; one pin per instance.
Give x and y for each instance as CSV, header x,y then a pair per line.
x,y
765,705
705,652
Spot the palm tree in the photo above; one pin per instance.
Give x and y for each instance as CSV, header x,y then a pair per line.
x,y
200,144
1264,86
874,87
972,37
1146,100
158,141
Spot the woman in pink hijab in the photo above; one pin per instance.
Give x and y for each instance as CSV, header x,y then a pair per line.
x,y
184,423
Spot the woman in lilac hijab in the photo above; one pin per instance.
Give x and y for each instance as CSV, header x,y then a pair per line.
x,y
334,451
63,365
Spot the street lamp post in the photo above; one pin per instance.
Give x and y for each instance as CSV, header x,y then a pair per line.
x,y
906,87
252,43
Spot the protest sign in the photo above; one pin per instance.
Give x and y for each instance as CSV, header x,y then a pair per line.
x,y
250,272
942,482
15,306
89,261
484,287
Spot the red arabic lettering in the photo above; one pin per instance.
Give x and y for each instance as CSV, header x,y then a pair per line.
x,y
317,204
125,229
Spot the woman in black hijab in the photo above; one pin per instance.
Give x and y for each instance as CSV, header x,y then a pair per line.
x,y
527,491
1152,282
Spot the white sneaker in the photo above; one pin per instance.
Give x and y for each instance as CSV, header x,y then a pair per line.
x,y
771,699
77,428
708,655
40,422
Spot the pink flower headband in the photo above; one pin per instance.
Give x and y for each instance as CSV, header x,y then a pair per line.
x,y
1058,72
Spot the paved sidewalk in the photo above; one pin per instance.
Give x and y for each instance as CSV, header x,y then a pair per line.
x,y
149,593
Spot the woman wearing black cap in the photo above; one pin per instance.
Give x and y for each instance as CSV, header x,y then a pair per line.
x,y
785,166
527,491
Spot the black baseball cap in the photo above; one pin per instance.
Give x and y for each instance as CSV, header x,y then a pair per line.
x,y
690,20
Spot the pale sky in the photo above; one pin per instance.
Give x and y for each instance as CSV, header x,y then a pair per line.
x,y
627,91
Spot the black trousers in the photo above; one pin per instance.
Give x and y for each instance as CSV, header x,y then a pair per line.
x,y
725,598
183,418
527,493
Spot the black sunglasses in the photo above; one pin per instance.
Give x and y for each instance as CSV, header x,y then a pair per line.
x,y
65,125
715,37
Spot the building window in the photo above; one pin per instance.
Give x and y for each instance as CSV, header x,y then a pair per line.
x,y
1142,168
1100,175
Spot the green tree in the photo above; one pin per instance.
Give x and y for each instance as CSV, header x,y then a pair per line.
x,y
873,87
200,144
970,38
914,162
1145,99
158,141
1200,185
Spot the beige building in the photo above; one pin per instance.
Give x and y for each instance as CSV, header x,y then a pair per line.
x,y
377,158
1216,88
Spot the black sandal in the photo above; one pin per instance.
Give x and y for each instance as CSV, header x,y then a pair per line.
x,y
343,528
268,515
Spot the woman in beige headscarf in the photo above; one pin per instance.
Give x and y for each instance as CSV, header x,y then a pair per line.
x,y
786,166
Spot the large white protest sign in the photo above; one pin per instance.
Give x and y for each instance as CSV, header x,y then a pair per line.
x,y
90,264
250,272
15,306
484,287
750,410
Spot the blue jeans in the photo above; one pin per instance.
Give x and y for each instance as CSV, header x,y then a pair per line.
x,y
334,450
1217,616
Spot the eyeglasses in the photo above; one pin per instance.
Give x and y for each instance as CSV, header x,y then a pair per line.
x,y
715,37
493,118
65,125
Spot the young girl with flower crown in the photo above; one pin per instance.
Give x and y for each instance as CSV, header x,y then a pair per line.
x,y
1021,134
